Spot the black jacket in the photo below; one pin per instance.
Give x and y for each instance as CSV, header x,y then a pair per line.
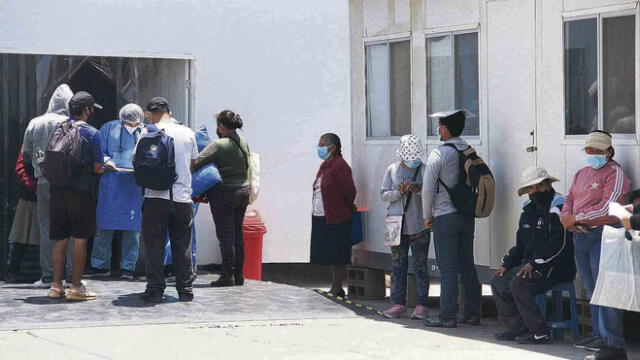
x,y
542,242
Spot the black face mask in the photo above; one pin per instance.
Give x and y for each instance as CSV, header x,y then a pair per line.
x,y
542,198
219,133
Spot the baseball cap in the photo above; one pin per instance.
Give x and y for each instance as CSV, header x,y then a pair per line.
x,y
158,103
83,99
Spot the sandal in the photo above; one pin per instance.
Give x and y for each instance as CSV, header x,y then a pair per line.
x,y
80,294
56,293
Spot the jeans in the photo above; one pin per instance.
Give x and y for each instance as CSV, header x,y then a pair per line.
x,y
158,219
607,322
515,299
400,263
43,194
228,205
101,252
453,240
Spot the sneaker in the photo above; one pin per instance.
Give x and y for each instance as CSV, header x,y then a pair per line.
x,y
154,298
126,275
93,272
80,294
608,353
42,283
472,320
223,281
510,335
420,313
595,345
436,321
185,296
395,311
582,344
534,339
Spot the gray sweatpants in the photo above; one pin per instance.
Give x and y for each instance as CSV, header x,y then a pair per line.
x,y
46,244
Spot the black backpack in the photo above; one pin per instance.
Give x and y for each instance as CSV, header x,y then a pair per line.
x,y
474,193
154,163
63,158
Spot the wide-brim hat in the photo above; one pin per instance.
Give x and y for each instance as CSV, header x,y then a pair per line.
x,y
410,148
532,176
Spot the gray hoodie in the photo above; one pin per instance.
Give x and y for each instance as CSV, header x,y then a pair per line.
x,y
441,163
36,137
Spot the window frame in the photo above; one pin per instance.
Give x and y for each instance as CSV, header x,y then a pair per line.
x,y
622,139
434,139
386,40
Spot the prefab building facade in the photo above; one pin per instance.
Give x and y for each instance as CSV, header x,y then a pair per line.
x,y
283,65
539,74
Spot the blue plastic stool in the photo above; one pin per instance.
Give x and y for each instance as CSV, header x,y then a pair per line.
x,y
558,323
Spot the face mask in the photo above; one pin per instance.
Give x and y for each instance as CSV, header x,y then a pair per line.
x,y
219,133
412,163
596,161
541,197
323,152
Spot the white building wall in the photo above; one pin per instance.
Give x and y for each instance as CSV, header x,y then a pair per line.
x,y
283,65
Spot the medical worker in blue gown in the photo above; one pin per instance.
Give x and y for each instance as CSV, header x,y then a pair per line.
x,y
119,199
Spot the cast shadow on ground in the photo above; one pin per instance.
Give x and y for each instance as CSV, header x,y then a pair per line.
x,y
134,301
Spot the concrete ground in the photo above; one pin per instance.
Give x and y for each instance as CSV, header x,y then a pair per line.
x,y
258,321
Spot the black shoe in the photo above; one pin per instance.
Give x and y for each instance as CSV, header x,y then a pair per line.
x,y
185,297
534,339
224,280
93,272
472,320
510,335
608,353
595,345
582,344
436,321
154,298
238,279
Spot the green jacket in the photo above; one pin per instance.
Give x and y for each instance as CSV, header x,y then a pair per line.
x,y
228,157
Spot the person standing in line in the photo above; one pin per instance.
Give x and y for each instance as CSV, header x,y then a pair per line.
x,y
73,210
585,213
120,198
541,258
401,188
169,211
453,231
36,139
229,199
25,231
334,193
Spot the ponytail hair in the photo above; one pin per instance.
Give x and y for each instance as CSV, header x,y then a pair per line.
x,y
230,120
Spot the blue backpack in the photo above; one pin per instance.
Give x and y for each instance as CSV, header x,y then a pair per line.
x,y
154,163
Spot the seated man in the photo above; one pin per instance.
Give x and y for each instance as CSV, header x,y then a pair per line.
x,y
541,258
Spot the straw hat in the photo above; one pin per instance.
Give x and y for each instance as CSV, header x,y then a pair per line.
x,y
410,148
532,176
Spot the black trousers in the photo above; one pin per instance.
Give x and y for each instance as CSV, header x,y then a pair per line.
x,y
157,219
228,205
515,299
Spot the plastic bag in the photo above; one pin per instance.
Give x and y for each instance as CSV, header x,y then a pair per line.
x,y
393,230
202,138
618,284
204,179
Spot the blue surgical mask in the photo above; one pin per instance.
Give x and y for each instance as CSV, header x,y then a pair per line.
x,y
596,161
412,163
323,152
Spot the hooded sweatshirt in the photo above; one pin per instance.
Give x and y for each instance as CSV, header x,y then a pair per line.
x,y
441,163
591,192
36,137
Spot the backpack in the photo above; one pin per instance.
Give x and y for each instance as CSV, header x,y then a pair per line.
x,y
154,162
63,156
474,193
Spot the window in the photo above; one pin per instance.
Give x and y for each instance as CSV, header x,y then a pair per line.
x,y
388,88
452,78
600,89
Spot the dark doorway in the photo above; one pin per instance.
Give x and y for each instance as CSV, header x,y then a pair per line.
x,y
92,79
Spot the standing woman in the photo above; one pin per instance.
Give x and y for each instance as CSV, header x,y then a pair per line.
x,y
333,195
585,213
229,199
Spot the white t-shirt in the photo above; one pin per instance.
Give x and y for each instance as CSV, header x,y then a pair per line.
x,y
184,142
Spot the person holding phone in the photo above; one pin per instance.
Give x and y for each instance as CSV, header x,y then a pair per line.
x,y
585,213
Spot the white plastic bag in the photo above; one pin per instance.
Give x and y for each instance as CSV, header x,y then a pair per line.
x,y
393,230
254,176
618,284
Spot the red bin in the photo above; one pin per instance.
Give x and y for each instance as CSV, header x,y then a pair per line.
x,y
253,229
